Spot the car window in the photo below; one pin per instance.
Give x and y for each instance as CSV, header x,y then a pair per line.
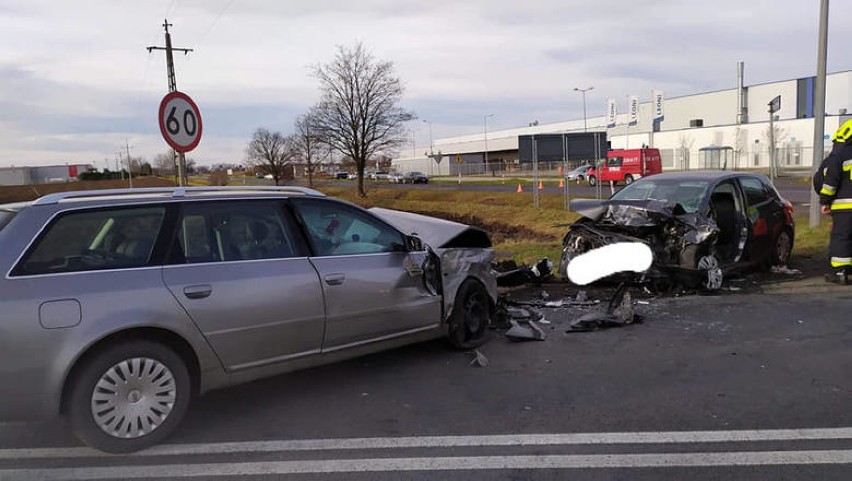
x,y
95,240
755,191
687,193
614,161
339,229
234,231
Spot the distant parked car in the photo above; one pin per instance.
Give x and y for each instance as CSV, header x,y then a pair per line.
x,y
579,174
415,178
341,175
395,178
380,175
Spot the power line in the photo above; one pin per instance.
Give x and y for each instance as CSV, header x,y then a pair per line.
x,y
213,24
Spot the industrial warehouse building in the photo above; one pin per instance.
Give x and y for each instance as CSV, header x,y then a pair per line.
x,y
732,124
43,174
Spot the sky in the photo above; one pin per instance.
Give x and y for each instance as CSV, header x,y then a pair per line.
x,y
77,84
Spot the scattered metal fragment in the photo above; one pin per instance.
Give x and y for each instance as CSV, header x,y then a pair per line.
x,y
525,274
620,312
527,331
479,359
785,270
554,304
544,322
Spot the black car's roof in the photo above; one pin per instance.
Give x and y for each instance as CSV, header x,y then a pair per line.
x,y
708,175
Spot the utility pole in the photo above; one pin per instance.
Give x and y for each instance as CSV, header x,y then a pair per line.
x,y
129,164
170,67
819,109
485,137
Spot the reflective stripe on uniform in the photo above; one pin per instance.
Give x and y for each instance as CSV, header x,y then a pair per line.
x,y
828,189
841,261
841,204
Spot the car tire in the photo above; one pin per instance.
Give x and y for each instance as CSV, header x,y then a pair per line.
x,y
712,273
156,398
593,181
628,179
471,316
782,247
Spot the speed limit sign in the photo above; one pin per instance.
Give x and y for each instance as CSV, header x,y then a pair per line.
x,y
180,121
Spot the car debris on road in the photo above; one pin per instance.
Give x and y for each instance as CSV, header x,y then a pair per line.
x,y
619,313
525,331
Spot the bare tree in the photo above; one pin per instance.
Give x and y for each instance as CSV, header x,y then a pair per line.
x,y
270,153
308,144
685,142
164,163
359,113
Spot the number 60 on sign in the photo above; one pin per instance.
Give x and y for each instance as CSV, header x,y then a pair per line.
x,y
180,121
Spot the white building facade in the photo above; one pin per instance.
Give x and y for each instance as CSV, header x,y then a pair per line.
x,y
733,121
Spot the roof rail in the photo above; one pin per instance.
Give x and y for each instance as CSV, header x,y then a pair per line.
x,y
175,191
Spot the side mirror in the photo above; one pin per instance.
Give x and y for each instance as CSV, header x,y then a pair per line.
x,y
414,243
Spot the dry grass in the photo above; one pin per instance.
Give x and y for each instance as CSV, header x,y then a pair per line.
x,y
517,229
17,193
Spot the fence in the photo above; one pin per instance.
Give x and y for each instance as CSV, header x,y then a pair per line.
x,y
789,158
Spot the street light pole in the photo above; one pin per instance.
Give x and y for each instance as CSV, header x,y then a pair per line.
x,y
583,91
485,136
431,144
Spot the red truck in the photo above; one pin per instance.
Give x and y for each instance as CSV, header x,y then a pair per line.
x,y
627,165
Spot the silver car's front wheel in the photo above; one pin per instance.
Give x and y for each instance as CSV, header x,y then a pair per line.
x,y
133,398
128,396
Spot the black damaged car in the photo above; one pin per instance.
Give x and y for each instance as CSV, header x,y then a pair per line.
x,y
699,225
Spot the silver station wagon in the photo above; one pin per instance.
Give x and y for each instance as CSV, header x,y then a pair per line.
x,y
120,306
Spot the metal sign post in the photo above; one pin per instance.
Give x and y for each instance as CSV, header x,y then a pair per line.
x,y
774,106
458,166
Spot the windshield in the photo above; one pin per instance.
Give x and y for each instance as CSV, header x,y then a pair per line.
x,y
686,192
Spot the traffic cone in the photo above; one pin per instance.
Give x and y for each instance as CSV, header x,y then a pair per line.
x,y
540,185
520,189
561,182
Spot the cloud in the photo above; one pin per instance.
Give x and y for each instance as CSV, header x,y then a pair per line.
x,y
75,77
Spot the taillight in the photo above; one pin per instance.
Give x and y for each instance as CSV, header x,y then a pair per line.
x,y
788,210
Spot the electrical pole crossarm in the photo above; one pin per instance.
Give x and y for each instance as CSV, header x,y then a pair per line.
x,y
184,50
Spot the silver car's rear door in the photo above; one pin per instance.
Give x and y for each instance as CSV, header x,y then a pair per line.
x,y
239,269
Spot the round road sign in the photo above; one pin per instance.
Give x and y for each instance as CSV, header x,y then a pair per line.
x,y
180,121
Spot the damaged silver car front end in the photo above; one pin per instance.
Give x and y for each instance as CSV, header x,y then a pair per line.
x,y
458,268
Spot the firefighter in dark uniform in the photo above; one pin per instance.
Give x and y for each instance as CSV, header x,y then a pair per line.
x,y
835,197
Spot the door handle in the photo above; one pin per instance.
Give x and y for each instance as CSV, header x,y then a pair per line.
x,y
197,292
335,279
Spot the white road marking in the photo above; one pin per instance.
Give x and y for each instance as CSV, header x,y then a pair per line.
x,y
476,463
652,437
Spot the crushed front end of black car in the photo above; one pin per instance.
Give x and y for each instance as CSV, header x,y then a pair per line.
x,y
683,244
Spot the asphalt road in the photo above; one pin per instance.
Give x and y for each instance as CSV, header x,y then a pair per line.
x,y
734,386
